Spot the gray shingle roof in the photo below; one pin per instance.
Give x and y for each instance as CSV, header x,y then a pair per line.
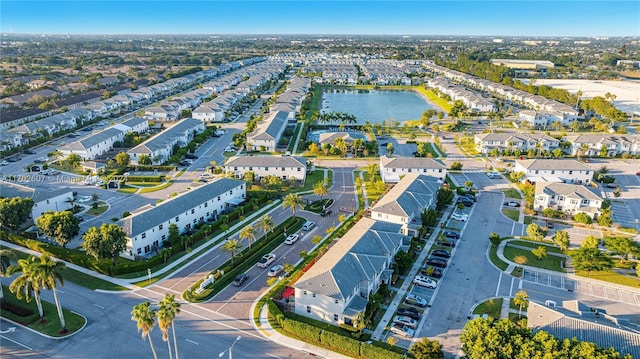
x,y
412,192
568,190
551,164
269,161
96,139
355,258
410,162
10,190
143,221
272,130
134,122
166,139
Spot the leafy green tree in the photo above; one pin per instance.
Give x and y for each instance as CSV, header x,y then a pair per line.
x,y
72,161
582,218
494,238
521,300
458,109
605,219
548,212
144,160
622,246
444,197
174,233
590,242
429,217
122,159
404,260
145,319
292,201
26,285
373,171
61,226
390,149
168,309
468,184
561,239
107,241
427,349
534,231
14,212
456,166
316,239
6,257
232,246
590,259
540,252
248,233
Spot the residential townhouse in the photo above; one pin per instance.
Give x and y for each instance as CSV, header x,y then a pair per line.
x,y
331,137
472,100
13,118
146,230
571,198
338,286
44,200
393,168
9,140
268,133
554,170
51,125
487,142
159,148
285,167
597,144
404,203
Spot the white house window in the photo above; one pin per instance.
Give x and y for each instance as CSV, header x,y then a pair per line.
x,y
299,169
178,219
139,250
336,301
570,172
160,227
304,292
206,204
314,295
335,317
144,235
193,211
308,309
164,237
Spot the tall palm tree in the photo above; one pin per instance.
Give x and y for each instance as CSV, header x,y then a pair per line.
x,y
145,318
49,276
265,223
24,285
6,256
320,189
373,170
292,201
521,300
248,233
168,309
232,246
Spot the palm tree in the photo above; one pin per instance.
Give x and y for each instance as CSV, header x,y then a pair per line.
x,y
24,283
168,309
521,300
292,201
248,233
320,189
232,246
6,256
145,317
49,276
265,223
373,170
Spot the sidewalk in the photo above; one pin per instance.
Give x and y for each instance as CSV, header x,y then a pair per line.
x,y
264,328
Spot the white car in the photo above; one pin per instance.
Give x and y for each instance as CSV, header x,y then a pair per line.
x,y
84,199
308,225
4,163
266,260
462,217
402,330
494,175
230,149
275,270
424,281
291,239
99,183
400,319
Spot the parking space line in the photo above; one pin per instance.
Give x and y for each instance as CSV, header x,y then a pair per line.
x,y
498,286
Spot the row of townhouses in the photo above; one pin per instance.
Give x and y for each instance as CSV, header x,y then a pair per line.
x,y
101,142
160,147
285,167
472,100
393,168
268,132
148,228
44,200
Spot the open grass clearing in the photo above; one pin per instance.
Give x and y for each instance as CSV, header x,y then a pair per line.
x,y
611,277
102,207
550,262
492,307
156,188
534,244
513,214
512,193
493,256
127,189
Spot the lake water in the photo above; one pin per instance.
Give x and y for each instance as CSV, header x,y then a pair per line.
x,y
376,106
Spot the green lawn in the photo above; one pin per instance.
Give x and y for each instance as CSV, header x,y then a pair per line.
x,y
512,193
493,256
313,178
513,305
432,97
77,171
549,262
102,207
468,146
491,307
51,323
612,277
514,214
127,189
179,173
156,188
430,148
534,244
373,193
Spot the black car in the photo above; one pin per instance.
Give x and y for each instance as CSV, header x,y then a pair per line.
x,y
437,262
87,129
441,253
451,234
325,212
80,218
412,313
13,159
446,243
465,201
470,197
432,272
191,156
240,280
29,152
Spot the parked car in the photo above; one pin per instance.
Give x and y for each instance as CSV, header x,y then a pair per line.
x,y
84,199
611,185
402,330
292,239
14,159
432,272
416,300
550,224
4,163
80,218
87,129
470,197
437,262
462,217
29,152
424,281
325,213
494,175
412,313
266,260
308,225
99,183
465,201
275,270
441,253
446,243
230,149
512,204
191,156
240,279
400,319
451,234
40,160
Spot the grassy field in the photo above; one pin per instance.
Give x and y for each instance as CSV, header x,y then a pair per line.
x,y
430,148
373,193
433,98
313,178
156,188
127,189
513,214
468,146
102,207
612,277
549,262
534,244
493,256
512,193
491,307
51,323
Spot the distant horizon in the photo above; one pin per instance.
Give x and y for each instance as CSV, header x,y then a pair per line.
x,y
319,34
501,18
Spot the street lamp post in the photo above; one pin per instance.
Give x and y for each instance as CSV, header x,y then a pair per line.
x,y
230,350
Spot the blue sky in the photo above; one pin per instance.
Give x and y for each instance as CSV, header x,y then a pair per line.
x,y
418,17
